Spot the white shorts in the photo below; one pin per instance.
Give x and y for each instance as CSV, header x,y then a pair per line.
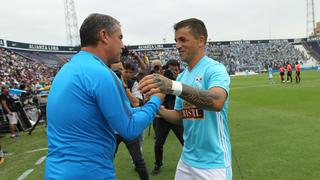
x,y
270,76
185,172
13,119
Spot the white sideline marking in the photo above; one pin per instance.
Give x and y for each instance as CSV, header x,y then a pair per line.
x,y
40,160
35,150
25,174
8,154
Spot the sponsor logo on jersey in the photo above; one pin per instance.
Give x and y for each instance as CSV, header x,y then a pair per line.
x,y
192,112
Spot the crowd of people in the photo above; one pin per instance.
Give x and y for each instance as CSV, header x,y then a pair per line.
x,y
22,73
257,56
244,56
28,67
19,72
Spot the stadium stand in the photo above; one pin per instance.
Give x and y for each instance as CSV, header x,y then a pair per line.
x,y
313,48
51,58
23,62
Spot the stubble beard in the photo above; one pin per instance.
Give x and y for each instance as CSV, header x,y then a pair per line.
x,y
113,59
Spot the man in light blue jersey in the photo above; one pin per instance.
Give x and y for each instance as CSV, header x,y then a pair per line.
x,y
202,92
87,104
270,74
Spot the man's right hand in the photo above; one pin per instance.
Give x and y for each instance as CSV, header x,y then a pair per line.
x,y
161,110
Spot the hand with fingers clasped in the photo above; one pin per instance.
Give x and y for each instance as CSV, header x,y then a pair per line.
x,y
155,83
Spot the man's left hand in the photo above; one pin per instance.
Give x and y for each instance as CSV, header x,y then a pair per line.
x,y
155,83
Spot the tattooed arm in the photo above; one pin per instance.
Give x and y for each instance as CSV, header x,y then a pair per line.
x,y
212,99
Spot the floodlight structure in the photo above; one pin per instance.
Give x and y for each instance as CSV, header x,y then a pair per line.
x,y
71,23
310,23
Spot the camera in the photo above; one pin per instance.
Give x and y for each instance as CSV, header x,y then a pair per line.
x,y
126,52
169,74
156,68
171,69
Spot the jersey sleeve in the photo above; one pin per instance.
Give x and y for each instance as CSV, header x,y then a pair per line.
x,y
217,76
114,106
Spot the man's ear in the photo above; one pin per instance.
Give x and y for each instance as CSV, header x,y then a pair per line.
x,y
104,36
202,41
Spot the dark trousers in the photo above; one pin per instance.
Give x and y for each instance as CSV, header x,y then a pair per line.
x,y
136,155
289,75
162,130
297,76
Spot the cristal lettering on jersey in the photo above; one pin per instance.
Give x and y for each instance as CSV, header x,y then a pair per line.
x,y
192,113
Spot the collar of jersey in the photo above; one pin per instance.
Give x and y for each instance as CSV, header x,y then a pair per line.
x,y
94,56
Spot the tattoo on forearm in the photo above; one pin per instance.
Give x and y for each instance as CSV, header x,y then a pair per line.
x,y
163,84
201,98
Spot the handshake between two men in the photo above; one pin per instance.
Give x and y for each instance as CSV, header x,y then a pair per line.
x,y
159,85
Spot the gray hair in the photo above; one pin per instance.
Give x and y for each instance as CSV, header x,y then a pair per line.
x,y
92,25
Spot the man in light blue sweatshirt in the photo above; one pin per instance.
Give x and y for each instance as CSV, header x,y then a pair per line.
x,y
87,104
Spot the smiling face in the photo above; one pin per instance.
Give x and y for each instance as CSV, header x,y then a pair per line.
x,y
187,44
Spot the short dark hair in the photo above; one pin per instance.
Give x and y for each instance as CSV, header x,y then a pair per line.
x,y
129,66
92,25
4,87
172,62
197,27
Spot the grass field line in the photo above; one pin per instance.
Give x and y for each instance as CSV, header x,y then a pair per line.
x,y
36,150
31,151
40,160
29,171
25,174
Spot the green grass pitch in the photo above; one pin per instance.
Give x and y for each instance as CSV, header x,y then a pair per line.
x,y
274,129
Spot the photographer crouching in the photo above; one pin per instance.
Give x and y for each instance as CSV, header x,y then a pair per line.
x,y
162,128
